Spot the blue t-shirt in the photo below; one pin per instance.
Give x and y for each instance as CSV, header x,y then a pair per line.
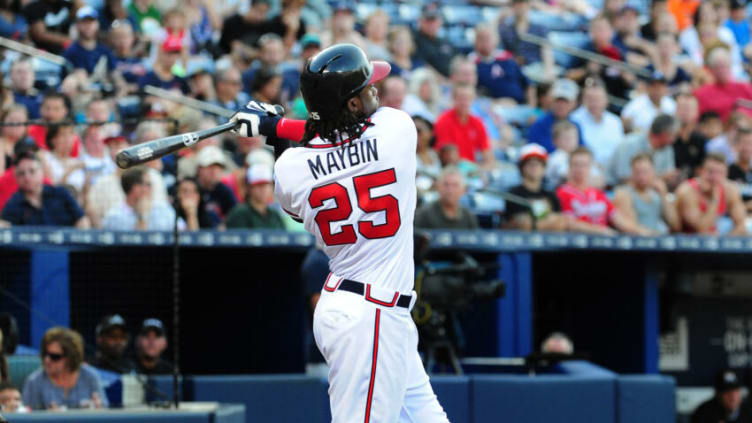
x,y
740,30
541,132
680,76
176,82
16,29
219,201
83,58
59,208
132,68
500,77
31,102
397,70
40,393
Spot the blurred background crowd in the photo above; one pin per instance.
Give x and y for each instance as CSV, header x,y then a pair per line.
x,y
598,116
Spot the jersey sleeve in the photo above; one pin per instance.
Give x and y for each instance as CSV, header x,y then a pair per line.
x,y
283,196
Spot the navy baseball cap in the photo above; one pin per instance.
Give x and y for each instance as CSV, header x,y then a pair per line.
x,y
111,321
738,4
430,11
153,324
657,76
726,380
341,6
86,12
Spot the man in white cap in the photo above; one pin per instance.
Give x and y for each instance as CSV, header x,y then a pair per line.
x,y
537,209
217,196
564,93
255,212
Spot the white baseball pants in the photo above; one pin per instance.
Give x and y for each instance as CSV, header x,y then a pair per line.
x,y
375,372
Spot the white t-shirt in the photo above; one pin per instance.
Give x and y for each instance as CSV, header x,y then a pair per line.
x,y
358,200
641,111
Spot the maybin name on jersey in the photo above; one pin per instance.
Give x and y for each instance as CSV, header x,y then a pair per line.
x,y
353,154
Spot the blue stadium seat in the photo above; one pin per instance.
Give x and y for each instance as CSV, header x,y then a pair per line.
x,y
21,366
462,15
572,39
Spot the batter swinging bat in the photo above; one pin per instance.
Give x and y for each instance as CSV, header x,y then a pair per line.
x,y
151,150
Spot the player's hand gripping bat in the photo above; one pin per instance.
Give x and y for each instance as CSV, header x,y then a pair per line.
x,y
155,149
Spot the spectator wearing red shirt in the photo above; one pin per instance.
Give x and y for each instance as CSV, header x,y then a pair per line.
x,y
589,206
721,96
457,126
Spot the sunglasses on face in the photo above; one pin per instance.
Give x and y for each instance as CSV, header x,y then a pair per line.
x,y
54,356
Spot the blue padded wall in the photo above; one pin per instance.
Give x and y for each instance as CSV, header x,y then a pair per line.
x,y
453,393
645,399
543,399
278,398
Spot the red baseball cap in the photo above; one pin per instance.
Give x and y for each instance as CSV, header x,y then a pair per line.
x,y
531,151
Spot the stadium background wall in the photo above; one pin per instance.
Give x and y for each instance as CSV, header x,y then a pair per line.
x,y
613,300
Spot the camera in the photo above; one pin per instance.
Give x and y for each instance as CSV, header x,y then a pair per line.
x,y
444,289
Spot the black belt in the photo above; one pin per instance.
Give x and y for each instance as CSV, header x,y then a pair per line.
x,y
363,289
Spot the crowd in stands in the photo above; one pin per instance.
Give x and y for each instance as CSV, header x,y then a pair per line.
x,y
71,378
644,129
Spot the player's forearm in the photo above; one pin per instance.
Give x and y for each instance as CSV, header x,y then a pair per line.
x,y
278,127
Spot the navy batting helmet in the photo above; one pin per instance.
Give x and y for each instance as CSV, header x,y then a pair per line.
x,y
335,75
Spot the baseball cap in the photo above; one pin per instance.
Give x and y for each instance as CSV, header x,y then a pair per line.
x,y
210,155
259,174
342,6
533,150
110,321
726,380
430,11
629,8
152,324
118,138
260,156
86,12
197,67
657,76
172,44
566,89
309,40
738,4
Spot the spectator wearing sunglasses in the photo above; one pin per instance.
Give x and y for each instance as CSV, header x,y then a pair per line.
x,y
63,381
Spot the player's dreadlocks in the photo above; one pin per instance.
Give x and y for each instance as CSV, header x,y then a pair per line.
x,y
332,130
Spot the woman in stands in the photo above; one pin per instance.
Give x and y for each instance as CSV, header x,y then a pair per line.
x,y
63,381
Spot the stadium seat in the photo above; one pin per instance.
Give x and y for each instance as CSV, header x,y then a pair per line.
x,y
572,39
462,15
21,366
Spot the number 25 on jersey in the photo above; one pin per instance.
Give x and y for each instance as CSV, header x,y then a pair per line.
x,y
343,208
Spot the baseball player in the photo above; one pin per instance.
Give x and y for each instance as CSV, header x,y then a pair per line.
x,y
353,187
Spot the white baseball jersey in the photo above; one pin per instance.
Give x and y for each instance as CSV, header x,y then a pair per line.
x,y
358,200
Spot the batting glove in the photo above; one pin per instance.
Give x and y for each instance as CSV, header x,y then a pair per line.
x,y
255,115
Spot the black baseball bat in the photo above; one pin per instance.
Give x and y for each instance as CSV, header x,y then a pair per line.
x,y
151,150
